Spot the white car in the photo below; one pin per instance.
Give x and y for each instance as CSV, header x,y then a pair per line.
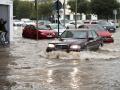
x,y
54,26
71,24
30,22
17,22
113,23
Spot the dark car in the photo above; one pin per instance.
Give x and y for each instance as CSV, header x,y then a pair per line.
x,y
106,35
40,32
76,40
107,26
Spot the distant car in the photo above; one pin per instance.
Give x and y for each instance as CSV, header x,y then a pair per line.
x,y
71,24
43,22
106,35
90,21
54,26
42,32
29,22
76,40
114,23
107,26
17,22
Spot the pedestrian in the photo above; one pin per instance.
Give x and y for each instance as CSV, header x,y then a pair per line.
x,y
2,27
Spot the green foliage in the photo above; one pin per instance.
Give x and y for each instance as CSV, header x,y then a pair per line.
x,y
26,9
15,4
44,10
104,8
71,3
82,6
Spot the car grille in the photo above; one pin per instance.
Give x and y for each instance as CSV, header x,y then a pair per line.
x,y
61,46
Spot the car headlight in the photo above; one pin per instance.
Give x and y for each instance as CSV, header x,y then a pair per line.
x,y
104,27
75,47
51,45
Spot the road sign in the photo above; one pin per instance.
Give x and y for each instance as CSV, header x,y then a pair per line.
x,y
57,5
115,11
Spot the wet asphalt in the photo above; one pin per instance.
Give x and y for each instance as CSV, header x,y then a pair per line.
x,y
25,65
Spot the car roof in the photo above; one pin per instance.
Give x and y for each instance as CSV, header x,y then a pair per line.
x,y
81,29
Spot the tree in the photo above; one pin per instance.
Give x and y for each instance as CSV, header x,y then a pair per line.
x,y
15,4
24,9
45,9
82,6
104,8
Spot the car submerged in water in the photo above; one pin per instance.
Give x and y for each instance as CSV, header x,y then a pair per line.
x,y
40,32
76,40
106,35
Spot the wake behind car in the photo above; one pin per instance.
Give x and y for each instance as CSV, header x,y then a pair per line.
x,y
76,40
40,32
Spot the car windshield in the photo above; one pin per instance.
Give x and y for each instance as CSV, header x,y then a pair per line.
x,y
97,27
74,34
43,22
42,28
55,26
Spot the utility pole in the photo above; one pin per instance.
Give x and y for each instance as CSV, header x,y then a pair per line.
x,y
64,11
36,10
58,15
75,14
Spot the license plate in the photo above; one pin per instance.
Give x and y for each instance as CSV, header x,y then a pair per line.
x,y
49,35
111,29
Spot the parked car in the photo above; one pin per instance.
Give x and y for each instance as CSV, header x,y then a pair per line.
x,y
107,26
106,35
76,40
71,24
40,32
17,22
43,22
90,21
54,26
29,22
114,23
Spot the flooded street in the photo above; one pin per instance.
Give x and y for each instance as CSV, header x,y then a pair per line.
x,y
26,66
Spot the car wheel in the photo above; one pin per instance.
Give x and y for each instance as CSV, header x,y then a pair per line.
x,y
87,48
48,50
102,44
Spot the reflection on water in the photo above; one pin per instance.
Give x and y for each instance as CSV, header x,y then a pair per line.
x,y
74,79
34,69
50,73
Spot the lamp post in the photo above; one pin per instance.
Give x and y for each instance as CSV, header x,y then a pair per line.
x,y
75,14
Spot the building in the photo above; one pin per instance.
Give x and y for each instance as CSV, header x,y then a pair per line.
x,y
6,12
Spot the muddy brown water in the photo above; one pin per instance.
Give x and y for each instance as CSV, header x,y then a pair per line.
x,y
26,66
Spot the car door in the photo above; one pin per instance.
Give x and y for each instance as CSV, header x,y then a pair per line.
x,y
92,40
33,32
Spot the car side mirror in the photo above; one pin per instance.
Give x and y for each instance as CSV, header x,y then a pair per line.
x,y
90,38
61,39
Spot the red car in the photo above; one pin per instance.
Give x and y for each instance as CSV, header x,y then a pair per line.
x,y
42,32
106,35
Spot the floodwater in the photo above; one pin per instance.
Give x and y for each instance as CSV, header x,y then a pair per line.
x,y
26,66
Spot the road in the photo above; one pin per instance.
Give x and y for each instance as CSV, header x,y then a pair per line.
x,y
26,66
